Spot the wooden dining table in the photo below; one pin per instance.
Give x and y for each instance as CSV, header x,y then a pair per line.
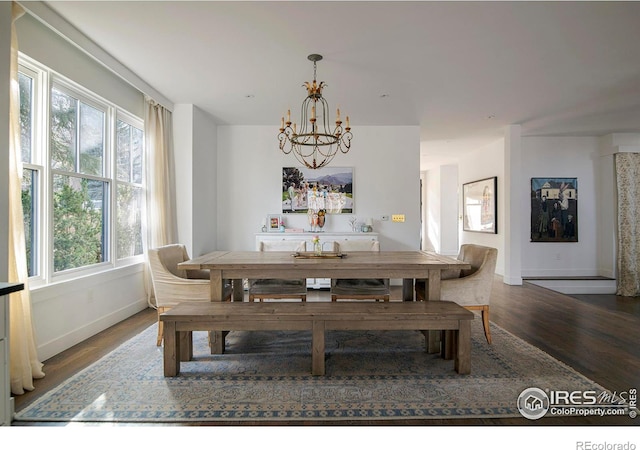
x,y
406,265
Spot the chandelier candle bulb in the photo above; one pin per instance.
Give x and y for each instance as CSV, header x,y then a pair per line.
x,y
338,114
288,115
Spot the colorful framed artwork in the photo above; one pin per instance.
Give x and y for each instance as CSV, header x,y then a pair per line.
x,y
273,222
554,209
328,188
480,206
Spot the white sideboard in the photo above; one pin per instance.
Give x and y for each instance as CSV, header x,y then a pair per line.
x,y
5,387
316,283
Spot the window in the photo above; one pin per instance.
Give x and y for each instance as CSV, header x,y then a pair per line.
x,y
80,189
130,194
29,83
83,184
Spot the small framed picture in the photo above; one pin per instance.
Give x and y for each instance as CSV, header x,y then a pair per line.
x,y
273,222
480,206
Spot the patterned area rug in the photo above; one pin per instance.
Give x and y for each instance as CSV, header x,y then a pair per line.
x,y
266,376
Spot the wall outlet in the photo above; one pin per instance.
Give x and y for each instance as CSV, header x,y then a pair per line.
x,y
397,217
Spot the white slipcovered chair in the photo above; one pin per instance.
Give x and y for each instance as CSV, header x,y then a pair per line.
x,y
172,285
267,288
359,289
470,288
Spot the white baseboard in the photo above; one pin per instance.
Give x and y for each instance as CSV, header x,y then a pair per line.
x,y
578,286
58,345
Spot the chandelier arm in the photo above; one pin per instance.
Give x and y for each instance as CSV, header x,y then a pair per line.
x,y
346,139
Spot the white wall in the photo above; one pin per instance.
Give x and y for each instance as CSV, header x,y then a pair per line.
x,y
386,167
441,210
50,49
562,157
67,313
589,159
432,197
484,163
182,118
195,157
606,205
205,181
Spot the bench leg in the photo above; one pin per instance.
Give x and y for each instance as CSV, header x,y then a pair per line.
x,y
448,347
171,350
186,345
317,344
463,344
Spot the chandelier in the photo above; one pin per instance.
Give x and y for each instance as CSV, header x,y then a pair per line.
x,y
314,144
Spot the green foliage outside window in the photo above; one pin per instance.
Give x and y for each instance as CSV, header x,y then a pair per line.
x,y
78,227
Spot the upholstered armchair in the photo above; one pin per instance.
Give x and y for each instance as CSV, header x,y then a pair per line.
x,y
470,288
357,289
276,288
173,285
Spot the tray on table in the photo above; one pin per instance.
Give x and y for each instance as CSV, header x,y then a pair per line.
x,y
323,255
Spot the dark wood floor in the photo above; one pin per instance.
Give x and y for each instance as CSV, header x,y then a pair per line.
x,y
597,335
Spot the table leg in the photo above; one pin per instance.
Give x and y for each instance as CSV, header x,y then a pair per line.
x,y
216,338
317,344
463,352
432,293
171,350
216,342
407,289
238,290
433,286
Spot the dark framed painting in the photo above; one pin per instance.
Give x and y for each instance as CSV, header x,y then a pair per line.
x,y
554,210
480,206
328,188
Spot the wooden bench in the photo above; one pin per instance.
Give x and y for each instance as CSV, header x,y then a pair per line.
x,y
182,320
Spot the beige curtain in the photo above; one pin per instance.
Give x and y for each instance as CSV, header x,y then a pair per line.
x,y
160,179
628,183
22,345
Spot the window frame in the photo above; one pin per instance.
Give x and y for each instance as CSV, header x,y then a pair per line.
x,y
135,122
45,80
38,118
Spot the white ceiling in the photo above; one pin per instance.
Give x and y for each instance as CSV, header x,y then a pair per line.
x,y
462,71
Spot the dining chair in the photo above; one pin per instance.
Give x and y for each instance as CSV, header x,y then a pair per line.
x,y
267,288
470,288
359,289
173,285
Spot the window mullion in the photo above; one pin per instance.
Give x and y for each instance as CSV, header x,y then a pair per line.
x,y
78,126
